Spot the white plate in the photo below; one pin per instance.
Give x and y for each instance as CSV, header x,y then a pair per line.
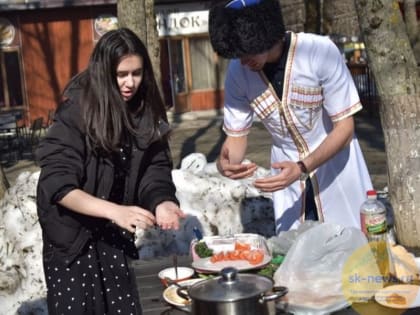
x,y
227,243
401,296
170,295
205,265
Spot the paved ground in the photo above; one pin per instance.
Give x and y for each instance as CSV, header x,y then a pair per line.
x,y
201,132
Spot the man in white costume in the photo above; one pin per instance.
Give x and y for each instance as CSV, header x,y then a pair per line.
x,y
300,88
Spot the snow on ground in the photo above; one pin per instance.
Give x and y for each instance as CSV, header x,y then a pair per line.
x,y
214,204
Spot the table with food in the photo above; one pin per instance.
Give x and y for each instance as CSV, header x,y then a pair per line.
x,y
320,269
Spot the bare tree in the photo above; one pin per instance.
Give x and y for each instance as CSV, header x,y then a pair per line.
x,y
339,17
4,184
139,16
395,69
413,26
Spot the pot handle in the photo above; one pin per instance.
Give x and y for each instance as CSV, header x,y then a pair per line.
x,y
182,291
278,292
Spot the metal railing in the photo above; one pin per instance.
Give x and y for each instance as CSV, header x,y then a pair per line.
x,y
365,84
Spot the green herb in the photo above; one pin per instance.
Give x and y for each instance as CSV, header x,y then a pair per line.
x,y
203,250
271,268
268,270
278,259
205,276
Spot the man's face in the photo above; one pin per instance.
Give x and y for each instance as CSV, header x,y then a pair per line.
x,y
255,62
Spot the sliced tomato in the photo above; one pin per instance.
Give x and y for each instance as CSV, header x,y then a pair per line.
x,y
217,257
225,256
244,254
234,254
214,259
255,257
242,246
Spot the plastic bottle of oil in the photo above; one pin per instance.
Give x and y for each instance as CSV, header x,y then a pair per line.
x,y
374,226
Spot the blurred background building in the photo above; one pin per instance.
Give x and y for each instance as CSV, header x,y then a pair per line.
x,y
43,43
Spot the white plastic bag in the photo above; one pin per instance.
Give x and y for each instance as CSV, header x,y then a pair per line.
x,y
312,269
280,244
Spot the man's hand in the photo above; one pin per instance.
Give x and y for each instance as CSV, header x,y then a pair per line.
x,y
289,172
231,170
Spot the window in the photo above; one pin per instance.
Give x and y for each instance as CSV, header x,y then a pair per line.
x,y
177,65
208,70
11,88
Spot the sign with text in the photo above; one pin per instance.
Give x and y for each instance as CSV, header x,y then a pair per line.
x,y
171,21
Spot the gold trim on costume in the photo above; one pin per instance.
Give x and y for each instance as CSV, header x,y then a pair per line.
x,y
264,105
301,145
236,133
348,112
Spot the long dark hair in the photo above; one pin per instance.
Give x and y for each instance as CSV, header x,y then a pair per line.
x,y
107,117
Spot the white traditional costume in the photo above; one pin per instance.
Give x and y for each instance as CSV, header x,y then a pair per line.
x,y
298,107
317,91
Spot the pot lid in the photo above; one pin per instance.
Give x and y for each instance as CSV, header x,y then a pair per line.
x,y
230,286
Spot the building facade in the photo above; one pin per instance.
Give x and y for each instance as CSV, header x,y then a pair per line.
x,y
43,43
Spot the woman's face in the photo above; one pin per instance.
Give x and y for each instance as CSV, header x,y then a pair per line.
x,y
129,75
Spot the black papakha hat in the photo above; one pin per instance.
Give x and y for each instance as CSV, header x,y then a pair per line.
x,y
245,27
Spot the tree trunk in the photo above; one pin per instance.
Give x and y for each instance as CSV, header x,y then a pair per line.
x,y
132,14
395,69
294,14
4,183
413,27
340,18
139,16
410,16
313,16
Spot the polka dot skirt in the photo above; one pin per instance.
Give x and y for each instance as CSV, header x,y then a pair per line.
x,y
97,282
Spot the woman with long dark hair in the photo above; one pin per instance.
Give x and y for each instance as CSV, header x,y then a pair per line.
x,y
105,171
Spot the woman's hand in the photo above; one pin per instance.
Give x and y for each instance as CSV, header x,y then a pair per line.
x,y
168,214
127,217
132,217
289,172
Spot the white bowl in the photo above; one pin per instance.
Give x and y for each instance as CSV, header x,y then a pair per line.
x,y
171,296
183,274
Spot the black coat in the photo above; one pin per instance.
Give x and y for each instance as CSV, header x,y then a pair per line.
x,y
67,164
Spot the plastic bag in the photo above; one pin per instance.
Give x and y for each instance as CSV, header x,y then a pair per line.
x,y
280,244
313,268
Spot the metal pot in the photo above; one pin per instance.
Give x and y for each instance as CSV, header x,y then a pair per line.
x,y
232,294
